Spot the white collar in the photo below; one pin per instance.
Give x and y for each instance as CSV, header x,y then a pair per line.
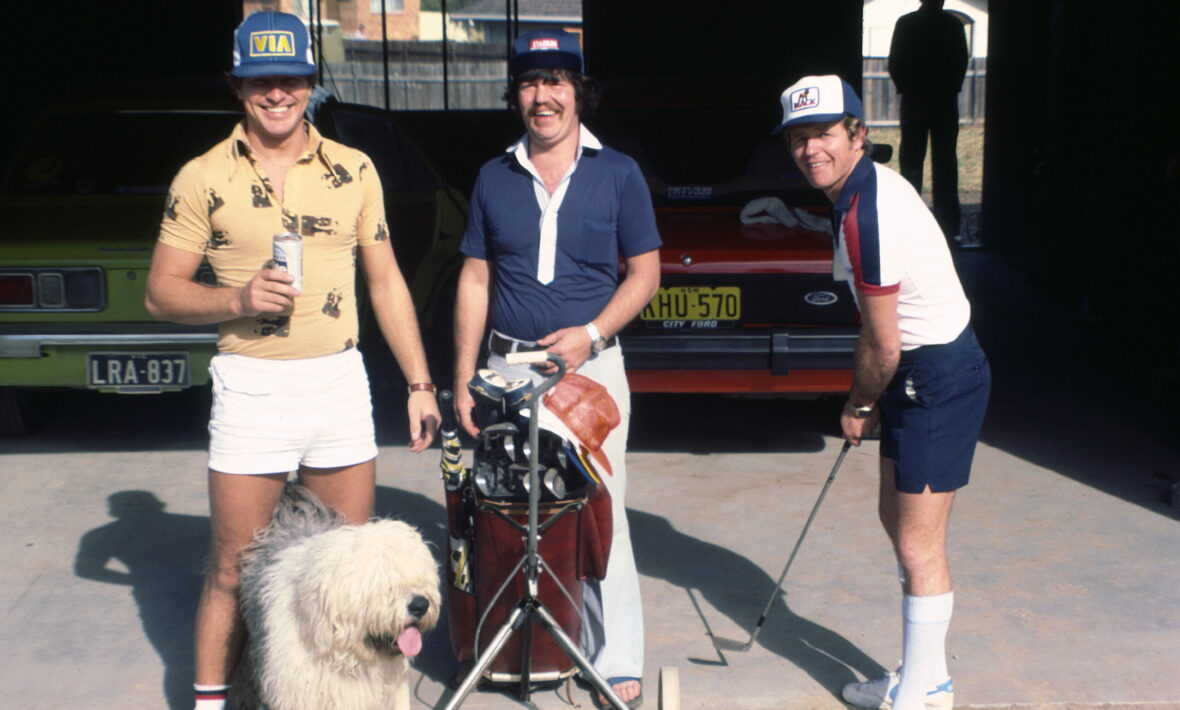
x,y
586,139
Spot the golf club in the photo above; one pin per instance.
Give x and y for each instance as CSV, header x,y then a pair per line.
x,y
731,645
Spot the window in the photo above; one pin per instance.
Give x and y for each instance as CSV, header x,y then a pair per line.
x,y
390,6
418,57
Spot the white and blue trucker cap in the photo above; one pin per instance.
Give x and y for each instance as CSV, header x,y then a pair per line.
x,y
272,44
818,99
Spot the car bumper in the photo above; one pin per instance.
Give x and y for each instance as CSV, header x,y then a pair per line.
x,y
780,360
38,355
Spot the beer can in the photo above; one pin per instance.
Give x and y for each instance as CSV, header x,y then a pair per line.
x,y
288,255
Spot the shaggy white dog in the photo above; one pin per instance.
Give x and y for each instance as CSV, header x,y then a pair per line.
x,y
334,611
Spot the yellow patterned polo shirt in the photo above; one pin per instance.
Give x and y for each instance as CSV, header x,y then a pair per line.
x,y
221,205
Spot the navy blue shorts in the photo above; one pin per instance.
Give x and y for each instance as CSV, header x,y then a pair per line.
x,y
932,412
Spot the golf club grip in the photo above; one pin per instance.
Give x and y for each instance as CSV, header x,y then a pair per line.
x,y
527,358
446,411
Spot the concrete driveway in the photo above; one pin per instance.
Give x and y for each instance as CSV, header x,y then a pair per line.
x,y
1065,547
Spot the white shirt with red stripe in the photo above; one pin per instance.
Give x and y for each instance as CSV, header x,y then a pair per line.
x,y
889,242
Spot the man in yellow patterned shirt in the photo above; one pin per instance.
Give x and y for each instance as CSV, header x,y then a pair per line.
x,y
290,392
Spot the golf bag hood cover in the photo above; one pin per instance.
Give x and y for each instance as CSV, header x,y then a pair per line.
x,y
588,412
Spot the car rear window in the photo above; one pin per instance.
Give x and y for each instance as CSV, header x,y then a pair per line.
x,y
716,155
112,153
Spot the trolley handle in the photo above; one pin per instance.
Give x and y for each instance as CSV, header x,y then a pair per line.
x,y
531,357
536,357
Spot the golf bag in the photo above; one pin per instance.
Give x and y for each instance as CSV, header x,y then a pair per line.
x,y
487,512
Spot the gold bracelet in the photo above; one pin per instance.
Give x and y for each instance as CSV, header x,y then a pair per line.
x,y
422,387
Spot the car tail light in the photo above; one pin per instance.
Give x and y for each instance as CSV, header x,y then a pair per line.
x,y
51,290
39,289
16,290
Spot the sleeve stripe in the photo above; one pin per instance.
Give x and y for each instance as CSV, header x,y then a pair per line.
x,y
862,238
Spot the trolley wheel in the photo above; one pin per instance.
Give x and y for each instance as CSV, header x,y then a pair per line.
x,y
669,688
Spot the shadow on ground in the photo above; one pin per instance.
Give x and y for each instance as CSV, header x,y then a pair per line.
x,y
707,572
160,555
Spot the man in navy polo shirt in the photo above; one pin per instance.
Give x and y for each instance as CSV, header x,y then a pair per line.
x,y
550,220
918,370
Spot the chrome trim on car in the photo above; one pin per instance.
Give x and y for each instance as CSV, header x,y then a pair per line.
x,y
26,345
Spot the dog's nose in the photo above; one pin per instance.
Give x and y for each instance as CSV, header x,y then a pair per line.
x,y
419,606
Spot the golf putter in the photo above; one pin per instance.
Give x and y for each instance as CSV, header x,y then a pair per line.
x,y
724,644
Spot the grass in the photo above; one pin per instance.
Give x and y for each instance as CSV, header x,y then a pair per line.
x,y
970,150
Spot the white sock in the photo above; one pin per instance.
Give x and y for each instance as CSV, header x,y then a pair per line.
x,y
926,620
210,697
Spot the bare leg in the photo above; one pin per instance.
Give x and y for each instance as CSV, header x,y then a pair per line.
x,y
349,489
238,507
916,524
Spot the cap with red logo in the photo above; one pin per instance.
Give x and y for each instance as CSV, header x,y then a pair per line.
x,y
819,99
546,49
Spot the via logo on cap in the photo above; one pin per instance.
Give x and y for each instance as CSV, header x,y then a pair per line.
x,y
805,98
272,43
543,43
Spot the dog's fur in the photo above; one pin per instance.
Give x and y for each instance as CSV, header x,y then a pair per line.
x,y
325,606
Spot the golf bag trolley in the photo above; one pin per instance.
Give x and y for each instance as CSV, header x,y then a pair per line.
x,y
526,523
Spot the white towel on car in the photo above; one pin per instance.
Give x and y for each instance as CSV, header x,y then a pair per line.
x,y
771,210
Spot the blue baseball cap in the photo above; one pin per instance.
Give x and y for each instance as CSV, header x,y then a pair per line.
x,y
546,49
818,99
272,44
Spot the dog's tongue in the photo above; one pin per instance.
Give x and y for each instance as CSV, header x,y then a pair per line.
x,y
410,641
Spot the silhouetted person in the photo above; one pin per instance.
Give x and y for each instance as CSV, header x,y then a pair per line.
x,y
928,61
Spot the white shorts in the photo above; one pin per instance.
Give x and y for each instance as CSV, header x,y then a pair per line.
x,y
272,416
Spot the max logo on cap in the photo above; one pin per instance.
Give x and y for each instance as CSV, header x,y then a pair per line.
x,y
543,43
272,43
805,98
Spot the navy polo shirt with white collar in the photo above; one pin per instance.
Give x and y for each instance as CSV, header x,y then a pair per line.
x,y
606,213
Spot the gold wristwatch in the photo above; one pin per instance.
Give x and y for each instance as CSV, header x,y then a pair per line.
x,y
861,412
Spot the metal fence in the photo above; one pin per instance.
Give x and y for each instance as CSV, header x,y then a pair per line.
x,y
882,103
474,76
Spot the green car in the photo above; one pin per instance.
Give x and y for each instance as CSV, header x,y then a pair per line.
x,y
81,203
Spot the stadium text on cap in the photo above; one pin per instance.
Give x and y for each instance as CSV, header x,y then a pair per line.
x,y
272,43
543,43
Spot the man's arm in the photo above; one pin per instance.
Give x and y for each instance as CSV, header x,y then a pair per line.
x,y
471,320
172,294
878,351
900,52
961,55
640,281
394,311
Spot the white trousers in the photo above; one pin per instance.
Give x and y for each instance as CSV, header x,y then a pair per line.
x,y
614,641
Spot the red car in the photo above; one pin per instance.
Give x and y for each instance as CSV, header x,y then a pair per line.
x,y
747,301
